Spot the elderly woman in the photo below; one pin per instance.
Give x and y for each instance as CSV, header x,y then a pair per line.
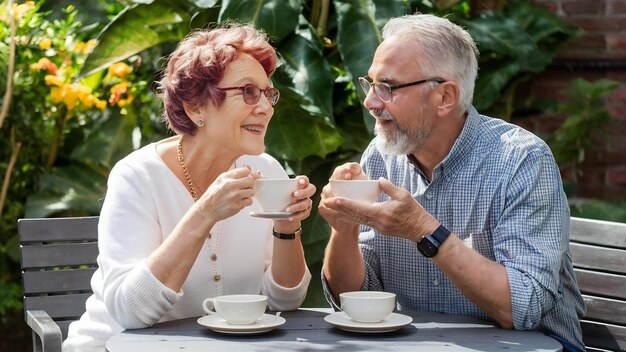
x,y
175,227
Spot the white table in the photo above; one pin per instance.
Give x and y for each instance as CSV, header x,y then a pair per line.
x,y
306,330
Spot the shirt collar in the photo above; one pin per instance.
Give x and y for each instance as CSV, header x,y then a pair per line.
x,y
459,151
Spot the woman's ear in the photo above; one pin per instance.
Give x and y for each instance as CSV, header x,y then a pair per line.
x,y
450,95
192,111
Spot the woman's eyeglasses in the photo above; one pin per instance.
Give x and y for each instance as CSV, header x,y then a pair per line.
x,y
252,93
383,90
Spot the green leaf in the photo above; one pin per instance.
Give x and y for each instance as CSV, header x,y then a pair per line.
x,y
359,26
492,79
299,129
309,71
77,187
135,29
109,141
495,33
278,19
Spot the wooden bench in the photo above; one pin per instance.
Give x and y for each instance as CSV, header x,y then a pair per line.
x,y
58,260
599,256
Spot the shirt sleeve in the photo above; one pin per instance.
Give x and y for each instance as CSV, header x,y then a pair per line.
x,y
128,232
532,236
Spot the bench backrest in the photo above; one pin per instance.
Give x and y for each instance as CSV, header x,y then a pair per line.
x,y
599,256
58,260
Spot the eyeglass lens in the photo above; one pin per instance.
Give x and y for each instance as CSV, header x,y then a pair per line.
x,y
381,89
252,94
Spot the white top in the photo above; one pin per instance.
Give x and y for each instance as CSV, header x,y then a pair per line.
x,y
143,204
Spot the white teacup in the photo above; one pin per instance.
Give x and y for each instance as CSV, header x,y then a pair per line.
x,y
361,190
274,195
237,309
368,306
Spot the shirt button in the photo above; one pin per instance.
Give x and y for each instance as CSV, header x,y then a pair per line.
x,y
436,282
429,196
213,257
216,277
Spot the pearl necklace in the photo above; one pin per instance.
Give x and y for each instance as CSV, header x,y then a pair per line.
x,y
181,160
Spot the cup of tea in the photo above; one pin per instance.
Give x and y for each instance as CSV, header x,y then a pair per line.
x,y
360,190
273,195
368,306
236,309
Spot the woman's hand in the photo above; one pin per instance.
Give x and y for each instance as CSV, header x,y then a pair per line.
x,y
228,194
300,208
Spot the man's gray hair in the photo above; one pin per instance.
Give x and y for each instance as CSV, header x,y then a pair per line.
x,y
449,50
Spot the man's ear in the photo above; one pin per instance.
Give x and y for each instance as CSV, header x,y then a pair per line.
x,y
450,93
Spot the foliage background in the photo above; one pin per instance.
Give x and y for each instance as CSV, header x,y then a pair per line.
x,y
61,156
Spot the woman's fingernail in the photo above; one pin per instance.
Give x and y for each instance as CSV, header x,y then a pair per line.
x,y
288,210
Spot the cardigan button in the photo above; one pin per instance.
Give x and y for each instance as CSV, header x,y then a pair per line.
x,y
216,277
213,257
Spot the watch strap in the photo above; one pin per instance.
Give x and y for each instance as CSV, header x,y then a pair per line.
x,y
287,236
440,234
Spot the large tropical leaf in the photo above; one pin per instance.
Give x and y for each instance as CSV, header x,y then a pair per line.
x,y
495,33
299,129
492,79
303,61
109,141
78,188
358,34
278,19
135,29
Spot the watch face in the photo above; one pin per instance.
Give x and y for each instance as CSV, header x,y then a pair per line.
x,y
427,248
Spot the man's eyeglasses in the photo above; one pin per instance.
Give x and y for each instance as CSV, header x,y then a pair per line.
x,y
252,93
383,90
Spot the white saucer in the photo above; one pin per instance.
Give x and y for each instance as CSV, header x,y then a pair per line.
x,y
266,323
270,214
393,322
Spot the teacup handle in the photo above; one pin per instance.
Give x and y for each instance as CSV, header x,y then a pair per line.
x,y
208,309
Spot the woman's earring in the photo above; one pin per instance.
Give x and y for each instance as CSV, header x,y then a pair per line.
x,y
200,123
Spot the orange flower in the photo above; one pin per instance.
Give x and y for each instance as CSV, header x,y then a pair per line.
x,y
45,64
120,69
45,44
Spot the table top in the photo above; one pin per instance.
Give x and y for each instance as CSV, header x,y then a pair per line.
x,y
306,330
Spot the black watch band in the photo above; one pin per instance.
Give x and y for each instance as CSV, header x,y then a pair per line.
x,y
429,245
287,236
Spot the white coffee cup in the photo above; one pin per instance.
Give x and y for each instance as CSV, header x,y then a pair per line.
x,y
361,190
274,195
236,309
368,306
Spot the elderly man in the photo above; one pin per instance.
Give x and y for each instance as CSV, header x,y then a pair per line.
x,y
473,219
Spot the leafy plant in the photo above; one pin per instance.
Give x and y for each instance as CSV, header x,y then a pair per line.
x,y
585,118
319,123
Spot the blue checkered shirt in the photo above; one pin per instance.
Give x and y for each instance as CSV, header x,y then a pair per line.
x,y
499,190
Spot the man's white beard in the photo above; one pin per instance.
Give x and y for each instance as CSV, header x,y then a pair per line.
x,y
397,140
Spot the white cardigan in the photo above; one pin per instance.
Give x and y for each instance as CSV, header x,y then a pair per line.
x,y
143,204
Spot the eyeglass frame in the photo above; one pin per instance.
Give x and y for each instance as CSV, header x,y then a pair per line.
x,y
373,85
261,91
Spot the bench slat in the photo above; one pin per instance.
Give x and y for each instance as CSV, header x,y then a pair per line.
x,y
55,281
61,306
603,284
58,229
603,233
56,255
599,258
605,309
603,336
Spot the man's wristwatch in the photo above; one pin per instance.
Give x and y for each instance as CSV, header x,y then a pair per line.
x,y
287,236
429,245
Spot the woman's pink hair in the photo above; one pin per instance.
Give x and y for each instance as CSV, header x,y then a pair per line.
x,y
197,65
